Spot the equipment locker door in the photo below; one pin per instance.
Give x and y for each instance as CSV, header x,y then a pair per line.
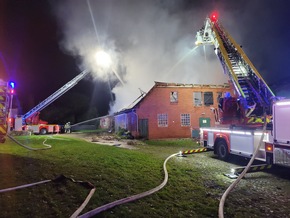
x,y
204,122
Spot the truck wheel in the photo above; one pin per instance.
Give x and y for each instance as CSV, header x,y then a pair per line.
x,y
222,150
43,131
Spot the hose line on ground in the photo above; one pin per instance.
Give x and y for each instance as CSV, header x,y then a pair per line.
x,y
58,179
87,185
232,186
84,204
101,208
30,148
24,186
130,198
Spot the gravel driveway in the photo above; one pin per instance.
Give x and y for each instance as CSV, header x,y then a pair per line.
x,y
262,194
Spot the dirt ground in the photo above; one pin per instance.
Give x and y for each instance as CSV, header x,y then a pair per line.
x,y
107,139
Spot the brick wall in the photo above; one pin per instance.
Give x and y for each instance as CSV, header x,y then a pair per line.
x,y
157,101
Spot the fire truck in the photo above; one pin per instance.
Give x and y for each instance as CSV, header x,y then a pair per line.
x,y
5,99
31,121
241,119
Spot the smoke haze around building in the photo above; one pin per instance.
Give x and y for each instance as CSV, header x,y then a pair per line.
x,y
148,41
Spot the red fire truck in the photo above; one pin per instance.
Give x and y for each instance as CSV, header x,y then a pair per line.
x,y
31,121
241,118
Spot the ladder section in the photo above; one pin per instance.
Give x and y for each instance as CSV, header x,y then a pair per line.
x,y
248,83
56,94
237,67
251,85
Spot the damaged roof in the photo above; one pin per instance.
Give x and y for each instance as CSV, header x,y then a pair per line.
x,y
164,84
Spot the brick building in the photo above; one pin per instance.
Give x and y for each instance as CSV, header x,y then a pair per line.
x,y
172,110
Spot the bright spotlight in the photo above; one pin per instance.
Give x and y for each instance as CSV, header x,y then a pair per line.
x,y
103,59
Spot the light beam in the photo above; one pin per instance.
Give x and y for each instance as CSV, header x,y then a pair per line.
x,y
103,59
181,59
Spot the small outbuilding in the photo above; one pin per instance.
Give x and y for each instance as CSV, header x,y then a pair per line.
x,y
107,122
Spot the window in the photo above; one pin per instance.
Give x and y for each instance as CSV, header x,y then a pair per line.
x,y
208,98
162,120
185,119
173,97
197,99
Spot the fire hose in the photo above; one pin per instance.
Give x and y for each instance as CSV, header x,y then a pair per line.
x,y
89,185
47,146
57,180
232,186
130,198
101,208
24,186
133,197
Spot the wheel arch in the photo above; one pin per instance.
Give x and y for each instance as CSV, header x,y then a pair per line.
x,y
43,131
219,139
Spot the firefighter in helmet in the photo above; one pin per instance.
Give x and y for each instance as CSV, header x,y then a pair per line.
x,y
67,127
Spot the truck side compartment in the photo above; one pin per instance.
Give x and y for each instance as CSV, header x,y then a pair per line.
x,y
239,142
280,152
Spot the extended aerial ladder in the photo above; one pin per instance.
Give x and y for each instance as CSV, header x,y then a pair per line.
x,y
54,96
253,96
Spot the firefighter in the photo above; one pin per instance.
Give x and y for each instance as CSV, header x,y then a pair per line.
x,y
67,127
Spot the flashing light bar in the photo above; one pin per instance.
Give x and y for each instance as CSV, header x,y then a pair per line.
x,y
283,103
242,132
265,138
228,131
258,133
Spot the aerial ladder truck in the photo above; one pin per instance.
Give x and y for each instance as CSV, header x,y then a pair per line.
x,y
241,117
31,122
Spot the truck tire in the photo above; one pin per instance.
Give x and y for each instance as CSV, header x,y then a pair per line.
x,y
43,131
222,150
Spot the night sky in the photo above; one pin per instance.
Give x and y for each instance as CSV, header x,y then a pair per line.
x,y
44,44
30,50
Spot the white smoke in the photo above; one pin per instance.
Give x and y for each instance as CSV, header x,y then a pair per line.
x,y
151,42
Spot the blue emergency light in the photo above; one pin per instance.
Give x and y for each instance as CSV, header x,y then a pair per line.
x,y
12,84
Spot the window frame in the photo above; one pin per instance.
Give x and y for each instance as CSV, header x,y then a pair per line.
x,y
174,97
197,102
185,120
162,120
208,98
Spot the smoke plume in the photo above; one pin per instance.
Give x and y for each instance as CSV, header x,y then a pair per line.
x,y
147,40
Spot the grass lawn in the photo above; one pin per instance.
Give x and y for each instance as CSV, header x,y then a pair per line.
x,y
115,172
